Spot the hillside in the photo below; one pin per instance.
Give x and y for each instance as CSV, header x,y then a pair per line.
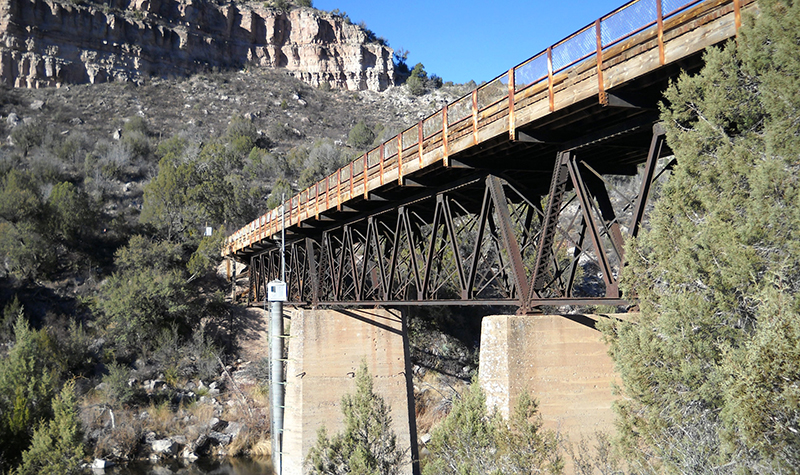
x,y
104,189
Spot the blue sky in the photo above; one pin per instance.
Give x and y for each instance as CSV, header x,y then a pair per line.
x,y
471,39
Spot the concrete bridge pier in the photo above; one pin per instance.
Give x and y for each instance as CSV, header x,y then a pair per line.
x,y
562,363
326,348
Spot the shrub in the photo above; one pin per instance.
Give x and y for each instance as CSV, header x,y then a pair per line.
x,y
361,136
27,136
472,440
116,390
57,445
368,443
417,80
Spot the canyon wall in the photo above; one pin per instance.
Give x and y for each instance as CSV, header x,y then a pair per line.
x,y
54,42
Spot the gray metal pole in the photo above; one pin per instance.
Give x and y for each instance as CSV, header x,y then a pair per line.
x,y
276,357
276,386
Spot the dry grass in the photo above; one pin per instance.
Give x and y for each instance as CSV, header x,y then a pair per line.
x,y
121,442
434,399
161,420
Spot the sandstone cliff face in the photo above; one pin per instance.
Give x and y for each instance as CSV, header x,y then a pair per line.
x,y
54,42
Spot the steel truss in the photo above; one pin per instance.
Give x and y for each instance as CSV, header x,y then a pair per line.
x,y
483,240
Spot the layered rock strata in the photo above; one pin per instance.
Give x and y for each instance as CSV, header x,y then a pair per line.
x,y
55,42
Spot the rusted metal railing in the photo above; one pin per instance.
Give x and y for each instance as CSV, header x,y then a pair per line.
x,y
433,138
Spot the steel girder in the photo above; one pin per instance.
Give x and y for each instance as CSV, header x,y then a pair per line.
x,y
483,240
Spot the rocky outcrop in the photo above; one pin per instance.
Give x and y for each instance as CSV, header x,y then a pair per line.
x,y
54,42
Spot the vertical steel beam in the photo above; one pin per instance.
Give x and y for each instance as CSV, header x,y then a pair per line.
x,y
313,271
379,255
473,268
509,239
587,208
558,185
448,219
656,145
610,222
432,250
573,268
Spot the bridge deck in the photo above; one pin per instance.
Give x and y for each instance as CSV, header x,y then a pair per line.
x,y
580,90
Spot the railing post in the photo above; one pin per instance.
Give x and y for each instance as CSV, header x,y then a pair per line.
x,y
366,173
400,158
421,135
382,158
339,188
737,14
550,78
446,158
660,14
475,117
327,193
601,87
512,125
352,180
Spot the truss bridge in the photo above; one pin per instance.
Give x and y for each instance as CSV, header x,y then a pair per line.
x,y
521,193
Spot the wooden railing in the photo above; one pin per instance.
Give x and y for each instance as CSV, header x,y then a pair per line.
x,y
529,89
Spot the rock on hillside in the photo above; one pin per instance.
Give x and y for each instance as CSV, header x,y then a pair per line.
x,y
53,42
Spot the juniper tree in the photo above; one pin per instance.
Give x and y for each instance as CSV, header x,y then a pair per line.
x,y
474,440
711,370
57,445
368,444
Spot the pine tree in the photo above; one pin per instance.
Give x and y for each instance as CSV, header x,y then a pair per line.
x,y
28,382
416,81
711,370
473,440
57,445
368,445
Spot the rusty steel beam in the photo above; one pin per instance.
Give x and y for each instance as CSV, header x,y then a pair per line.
x,y
477,242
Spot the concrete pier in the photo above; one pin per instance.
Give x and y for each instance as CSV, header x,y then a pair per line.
x,y
326,347
562,363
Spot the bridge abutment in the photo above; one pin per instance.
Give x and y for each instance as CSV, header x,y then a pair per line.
x,y
326,347
560,360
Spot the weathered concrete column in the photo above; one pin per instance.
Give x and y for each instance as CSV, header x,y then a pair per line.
x,y
326,348
562,362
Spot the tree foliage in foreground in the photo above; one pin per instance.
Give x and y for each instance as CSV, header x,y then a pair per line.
x,y
472,440
29,379
57,446
368,444
711,372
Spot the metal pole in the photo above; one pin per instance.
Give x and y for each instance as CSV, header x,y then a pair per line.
x,y
276,389
283,237
276,355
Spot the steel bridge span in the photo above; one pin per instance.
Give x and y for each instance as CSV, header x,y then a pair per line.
x,y
520,193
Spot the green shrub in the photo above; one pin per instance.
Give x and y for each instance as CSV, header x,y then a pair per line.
x,y
57,445
368,443
116,390
472,440
29,378
417,80
361,136
27,136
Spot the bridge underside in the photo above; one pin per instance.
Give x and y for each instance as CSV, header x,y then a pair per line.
x,y
540,220
522,193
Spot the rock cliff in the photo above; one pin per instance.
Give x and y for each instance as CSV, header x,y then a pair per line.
x,y
54,42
